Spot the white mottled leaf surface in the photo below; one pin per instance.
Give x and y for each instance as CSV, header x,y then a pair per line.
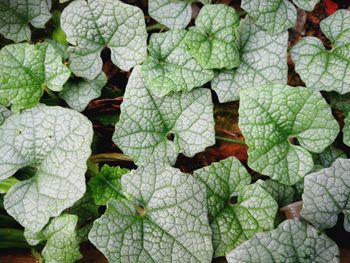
x,y
146,123
323,69
95,24
16,15
163,220
292,241
263,59
272,116
56,142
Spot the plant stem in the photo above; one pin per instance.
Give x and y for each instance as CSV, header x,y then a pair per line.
x,y
229,140
10,238
110,157
155,27
51,93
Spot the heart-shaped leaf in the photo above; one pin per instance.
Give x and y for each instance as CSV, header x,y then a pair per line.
x,y
56,143
93,25
324,69
164,219
273,117
161,128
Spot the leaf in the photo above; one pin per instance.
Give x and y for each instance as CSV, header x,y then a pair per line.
x,y
326,194
4,113
263,60
78,93
106,185
6,184
56,142
16,16
307,5
340,102
212,42
275,16
62,243
291,241
328,156
283,194
346,131
147,123
92,25
164,219
170,67
175,14
324,69
272,116
254,211
25,70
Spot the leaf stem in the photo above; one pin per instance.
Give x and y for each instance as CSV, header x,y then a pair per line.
x,y
110,157
51,93
10,238
155,27
229,140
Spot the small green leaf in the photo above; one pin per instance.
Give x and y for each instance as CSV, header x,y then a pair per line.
x,y
283,194
212,42
54,141
291,241
273,117
307,5
25,70
93,25
232,224
106,185
324,69
275,16
164,219
170,67
6,184
62,243
79,92
326,194
147,123
263,60
16,16
340,101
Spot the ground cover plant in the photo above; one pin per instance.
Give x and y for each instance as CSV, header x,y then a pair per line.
x,y
174,131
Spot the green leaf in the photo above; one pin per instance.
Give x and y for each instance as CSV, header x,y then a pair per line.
x,y
4,113
212,42
56,142
263,60
16,16
275,16
25,70
170,67
340,101
106,185
272,117
163,220
232,224
62,243
328,156
291,241
283,194
324,69
6,184
346,131
326,194
175,14
59,47
93,25
307,5
79,92
147,123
